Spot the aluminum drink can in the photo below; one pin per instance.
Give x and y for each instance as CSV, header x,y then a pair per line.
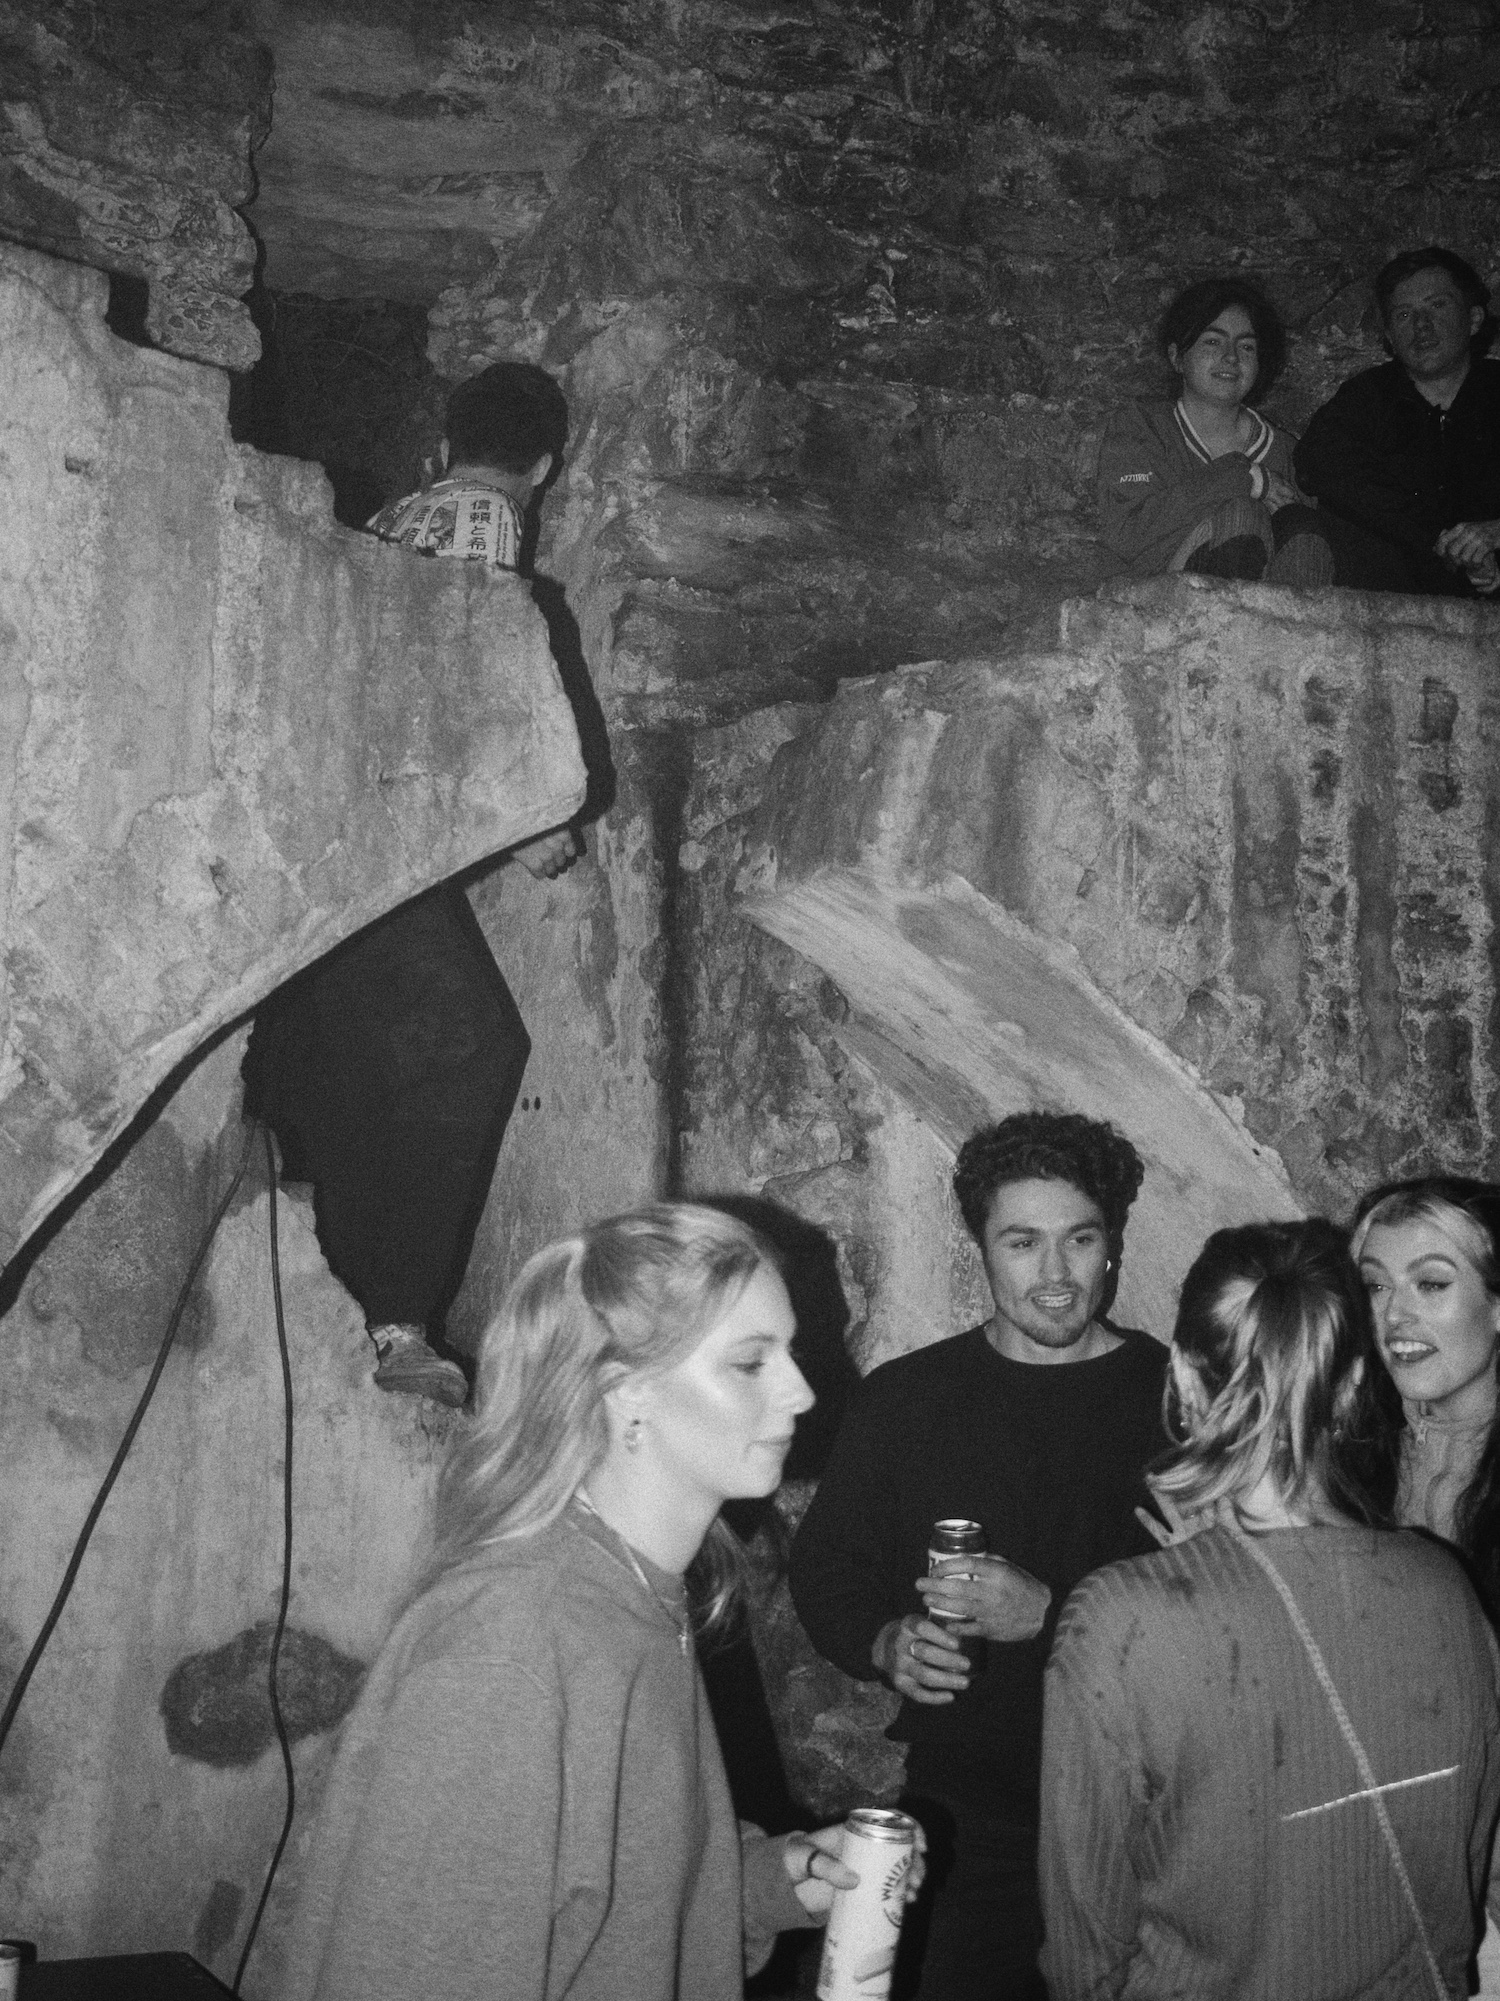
x,y
864,1924
10,1972
949,1539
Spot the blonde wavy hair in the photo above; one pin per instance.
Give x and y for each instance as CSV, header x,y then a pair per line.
x,y
1275,1323
631,1295
1467,1213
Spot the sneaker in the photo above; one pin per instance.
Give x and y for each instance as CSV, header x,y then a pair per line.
x,y
411,1368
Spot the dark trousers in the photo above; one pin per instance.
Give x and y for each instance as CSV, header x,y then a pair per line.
x,y
1365,561
975,1932
388,1072
1362,560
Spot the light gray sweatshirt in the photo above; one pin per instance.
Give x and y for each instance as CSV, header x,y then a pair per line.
x,y
528,1800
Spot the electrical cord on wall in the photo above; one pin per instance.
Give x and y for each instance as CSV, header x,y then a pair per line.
x,y
286,1567
39,1645
64,1590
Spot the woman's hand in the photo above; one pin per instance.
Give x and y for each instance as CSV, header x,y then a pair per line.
x,y
1280,492
920,1660
1000,1600
812,1861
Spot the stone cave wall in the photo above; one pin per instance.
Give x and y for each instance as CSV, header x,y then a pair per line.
x,y
126,136
840,297
202,788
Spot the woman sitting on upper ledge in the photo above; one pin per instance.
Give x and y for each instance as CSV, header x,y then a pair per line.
x,y
1204,483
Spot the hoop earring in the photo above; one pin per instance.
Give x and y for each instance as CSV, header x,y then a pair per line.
x,y
1174,1413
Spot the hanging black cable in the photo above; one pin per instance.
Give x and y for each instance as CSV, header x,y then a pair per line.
x,y
286,1567
39,1645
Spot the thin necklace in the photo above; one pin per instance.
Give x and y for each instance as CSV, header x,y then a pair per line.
x,y
681,1627
1424,1421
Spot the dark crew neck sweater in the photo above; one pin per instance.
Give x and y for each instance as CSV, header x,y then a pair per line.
x,y
1049,1458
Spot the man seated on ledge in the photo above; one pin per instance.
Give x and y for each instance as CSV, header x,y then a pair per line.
x,y
1404,460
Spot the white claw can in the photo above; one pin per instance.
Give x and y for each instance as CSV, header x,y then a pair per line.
x,y
864,1925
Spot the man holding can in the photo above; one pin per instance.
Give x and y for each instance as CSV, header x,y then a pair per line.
x,y
1033,1432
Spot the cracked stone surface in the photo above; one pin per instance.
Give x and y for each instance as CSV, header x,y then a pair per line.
x,y
216,1705
126,135
233,732
1221,857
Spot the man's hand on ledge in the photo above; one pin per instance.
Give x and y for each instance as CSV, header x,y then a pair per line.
x,y
1470,546
549,855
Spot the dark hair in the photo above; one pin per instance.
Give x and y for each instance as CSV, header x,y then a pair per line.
x,y
507,415
1201,304
1276,1325
1468,1213
1435,258
1051,1146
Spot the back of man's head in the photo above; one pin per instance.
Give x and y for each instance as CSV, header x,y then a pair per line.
x,y
1048,1146
1432,257
509,415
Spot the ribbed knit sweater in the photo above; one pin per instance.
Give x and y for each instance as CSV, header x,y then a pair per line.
x,y
1199,1838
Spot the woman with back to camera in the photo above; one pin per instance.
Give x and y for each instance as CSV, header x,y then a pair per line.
x,y
1429,1253
1201,481
528,1800
1272,1749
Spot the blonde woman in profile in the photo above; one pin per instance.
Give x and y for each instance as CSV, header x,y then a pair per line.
x,y
528,1801
1271,1761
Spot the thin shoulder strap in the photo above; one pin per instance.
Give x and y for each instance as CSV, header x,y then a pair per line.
x,y
1366,1771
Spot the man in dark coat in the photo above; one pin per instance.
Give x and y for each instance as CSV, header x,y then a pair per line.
x,y
1404,460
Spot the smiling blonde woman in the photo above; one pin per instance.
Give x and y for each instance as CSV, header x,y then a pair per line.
x,y
1429,1253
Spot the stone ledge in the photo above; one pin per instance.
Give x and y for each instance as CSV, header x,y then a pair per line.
x,y
1469,619
233,731
1265,824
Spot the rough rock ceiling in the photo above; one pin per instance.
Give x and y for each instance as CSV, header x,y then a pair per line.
x,y
126,133
841,293
394,167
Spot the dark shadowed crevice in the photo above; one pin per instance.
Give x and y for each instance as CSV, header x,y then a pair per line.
x,y
666,766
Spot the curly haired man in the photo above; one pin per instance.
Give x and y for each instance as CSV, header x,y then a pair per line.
x,y
1038,1424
